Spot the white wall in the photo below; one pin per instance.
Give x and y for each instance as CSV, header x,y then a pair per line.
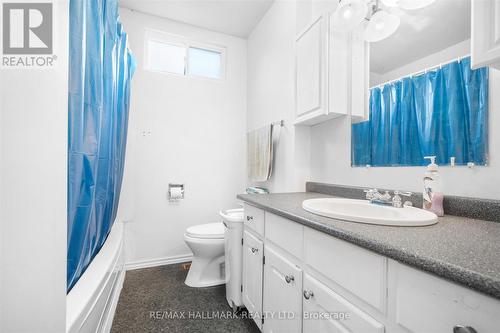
x,y
197,137
33,141
271,97
271,94
1,199
444,56
331,160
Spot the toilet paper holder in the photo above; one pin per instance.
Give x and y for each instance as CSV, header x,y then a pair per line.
x,y
175,192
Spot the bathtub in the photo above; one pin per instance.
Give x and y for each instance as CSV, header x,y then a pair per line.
x,y
91,304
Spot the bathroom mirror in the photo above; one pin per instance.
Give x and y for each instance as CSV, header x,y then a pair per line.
x,y
425,100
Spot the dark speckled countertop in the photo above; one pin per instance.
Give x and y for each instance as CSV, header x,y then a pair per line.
x,y
463,250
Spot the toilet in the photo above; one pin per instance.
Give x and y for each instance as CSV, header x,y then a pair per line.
x,y
206,241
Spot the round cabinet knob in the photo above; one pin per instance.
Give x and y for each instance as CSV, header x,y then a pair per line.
x,y
308,294
249,218
254,250
289,278
463,329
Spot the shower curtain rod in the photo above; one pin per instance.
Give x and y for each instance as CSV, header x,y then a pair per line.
x,y
420,72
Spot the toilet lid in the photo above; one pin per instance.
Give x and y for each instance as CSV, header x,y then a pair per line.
x,y
210,230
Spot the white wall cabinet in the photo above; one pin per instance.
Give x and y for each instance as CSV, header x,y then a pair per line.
x,y
359,54
329,285
485,36
311,70
253,254
321,72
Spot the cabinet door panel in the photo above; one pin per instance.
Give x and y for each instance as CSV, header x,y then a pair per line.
x,y
426,303
325,311
485,39
252,275
309,69
283,294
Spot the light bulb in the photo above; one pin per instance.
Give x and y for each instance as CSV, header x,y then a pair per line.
x,y
349,14
381,25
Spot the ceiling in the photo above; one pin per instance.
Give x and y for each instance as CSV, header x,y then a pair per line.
x,y
422,32
232,17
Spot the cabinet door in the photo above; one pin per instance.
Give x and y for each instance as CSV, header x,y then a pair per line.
x,y
416,295
360,76
485,37
326,311
311,69
252,275
282,293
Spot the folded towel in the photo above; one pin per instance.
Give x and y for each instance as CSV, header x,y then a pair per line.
x,y
260,153
257,190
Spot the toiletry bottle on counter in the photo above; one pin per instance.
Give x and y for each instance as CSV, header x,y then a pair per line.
x,y
433,192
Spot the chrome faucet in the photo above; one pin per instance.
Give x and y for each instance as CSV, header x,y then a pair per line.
x,y
377,198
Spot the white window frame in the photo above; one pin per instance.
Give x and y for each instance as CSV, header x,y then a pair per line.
x,y
167,38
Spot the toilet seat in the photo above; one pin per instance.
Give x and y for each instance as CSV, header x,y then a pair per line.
x,y
206,231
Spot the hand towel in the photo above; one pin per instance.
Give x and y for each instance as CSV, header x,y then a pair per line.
x,y
260,153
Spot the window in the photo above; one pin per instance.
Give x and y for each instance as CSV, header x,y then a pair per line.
x,y
176,55
205,63
165,57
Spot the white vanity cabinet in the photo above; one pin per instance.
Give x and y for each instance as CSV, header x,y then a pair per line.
x,y
425,303
283,290
303,280
485,36
251,289
326,311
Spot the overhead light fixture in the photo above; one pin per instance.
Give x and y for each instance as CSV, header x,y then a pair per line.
x,y
381,25
349,14
414,4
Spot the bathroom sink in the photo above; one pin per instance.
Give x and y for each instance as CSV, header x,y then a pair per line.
x,y
362,211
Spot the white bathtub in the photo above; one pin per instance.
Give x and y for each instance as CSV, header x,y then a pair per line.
x,y
91,304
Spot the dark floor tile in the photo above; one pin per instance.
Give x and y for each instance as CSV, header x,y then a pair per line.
x,y
157,300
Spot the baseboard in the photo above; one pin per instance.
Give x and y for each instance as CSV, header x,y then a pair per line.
x,y
158,262
113,302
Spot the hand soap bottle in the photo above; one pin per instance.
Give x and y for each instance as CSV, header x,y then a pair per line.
x,y
433,192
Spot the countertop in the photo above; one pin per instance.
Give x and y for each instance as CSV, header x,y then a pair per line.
x,y
459,249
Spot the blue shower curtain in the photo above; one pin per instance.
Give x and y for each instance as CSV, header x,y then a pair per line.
x,y
100,70
442,113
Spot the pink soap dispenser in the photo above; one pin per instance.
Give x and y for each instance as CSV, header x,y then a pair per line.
x,y
433,188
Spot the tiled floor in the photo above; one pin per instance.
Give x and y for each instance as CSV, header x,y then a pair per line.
x,y
157,300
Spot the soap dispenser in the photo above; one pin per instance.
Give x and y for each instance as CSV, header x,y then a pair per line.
x,y
433,192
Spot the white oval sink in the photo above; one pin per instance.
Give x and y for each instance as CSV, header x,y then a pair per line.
x,y
363,211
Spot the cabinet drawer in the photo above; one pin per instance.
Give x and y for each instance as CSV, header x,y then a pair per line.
x,y
287,234
326,311
426,303
357,270
254,219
